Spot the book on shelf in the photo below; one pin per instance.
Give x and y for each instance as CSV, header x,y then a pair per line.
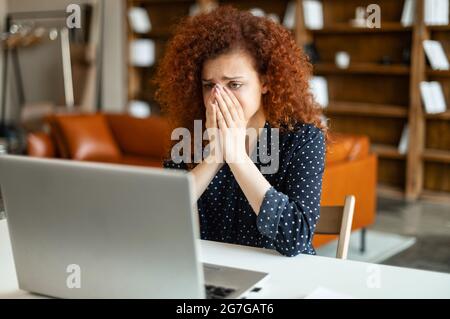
x,y
436,12
403,144
139,20
433,97
195,9
319,89
436,55
137,108
408,13
289,16
142,52
313,14
258,12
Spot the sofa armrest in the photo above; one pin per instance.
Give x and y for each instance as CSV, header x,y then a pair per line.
x,y
40,144
358,178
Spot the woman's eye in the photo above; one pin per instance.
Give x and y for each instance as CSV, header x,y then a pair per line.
x,y
207,86
235,85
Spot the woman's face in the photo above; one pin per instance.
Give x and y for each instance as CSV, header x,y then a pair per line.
x,y
236,72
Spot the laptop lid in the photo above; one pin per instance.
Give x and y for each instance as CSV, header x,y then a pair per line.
x,y
90,230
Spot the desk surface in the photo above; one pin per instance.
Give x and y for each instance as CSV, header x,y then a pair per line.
x,y
290,277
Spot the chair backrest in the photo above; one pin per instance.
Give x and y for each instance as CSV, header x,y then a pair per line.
x,y
337,220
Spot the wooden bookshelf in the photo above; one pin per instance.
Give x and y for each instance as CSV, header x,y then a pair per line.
x,y
434,167
376,95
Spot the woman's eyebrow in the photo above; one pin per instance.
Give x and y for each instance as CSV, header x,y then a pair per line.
x,y
225,78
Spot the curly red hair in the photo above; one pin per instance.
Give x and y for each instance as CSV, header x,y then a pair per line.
x,y
226,29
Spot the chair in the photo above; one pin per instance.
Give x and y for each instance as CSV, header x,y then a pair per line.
x,y
337,220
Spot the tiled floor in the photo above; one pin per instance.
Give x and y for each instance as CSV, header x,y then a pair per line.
x,y
428,222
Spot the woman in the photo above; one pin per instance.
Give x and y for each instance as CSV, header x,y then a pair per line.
x,y
235,71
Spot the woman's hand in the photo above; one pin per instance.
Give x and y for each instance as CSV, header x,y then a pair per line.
x,y
215,153
232,125
211,108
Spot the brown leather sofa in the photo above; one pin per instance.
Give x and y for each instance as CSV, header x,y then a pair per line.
x,y
350,167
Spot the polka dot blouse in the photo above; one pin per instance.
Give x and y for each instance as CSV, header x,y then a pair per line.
x,y
290,208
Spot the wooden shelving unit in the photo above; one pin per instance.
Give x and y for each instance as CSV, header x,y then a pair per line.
x,y
377,95
434,166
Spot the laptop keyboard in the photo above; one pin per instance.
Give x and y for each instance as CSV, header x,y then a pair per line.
x,y
217,292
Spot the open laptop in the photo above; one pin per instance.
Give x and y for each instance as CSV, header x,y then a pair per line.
x,y
91,230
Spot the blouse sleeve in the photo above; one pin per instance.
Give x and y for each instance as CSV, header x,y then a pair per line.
x,y
289,218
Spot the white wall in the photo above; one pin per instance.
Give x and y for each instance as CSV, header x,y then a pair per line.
x,y
41,67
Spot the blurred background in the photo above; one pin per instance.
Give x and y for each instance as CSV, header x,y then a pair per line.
x,y
79,72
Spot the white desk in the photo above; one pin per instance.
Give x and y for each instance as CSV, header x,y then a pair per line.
x,y
293,277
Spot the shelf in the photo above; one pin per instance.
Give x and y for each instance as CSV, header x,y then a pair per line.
x,y
438,28
440,156
362,68
380,110
387,151
439,116
347,28
439,73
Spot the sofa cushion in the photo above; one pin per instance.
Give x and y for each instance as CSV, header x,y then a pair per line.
x,y
343,147
88,138
142,137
